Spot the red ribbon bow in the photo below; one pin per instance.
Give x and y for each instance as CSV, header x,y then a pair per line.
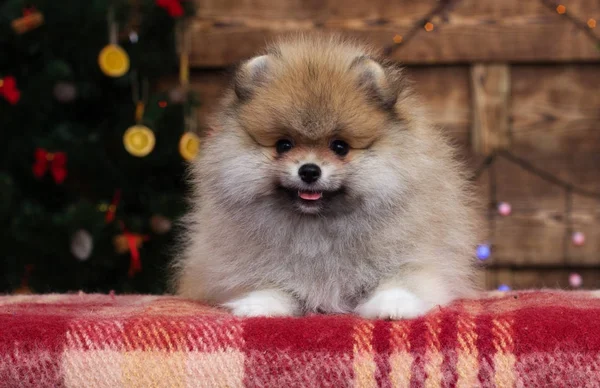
x,y
134,241
173,7
135,264
8,90
55,162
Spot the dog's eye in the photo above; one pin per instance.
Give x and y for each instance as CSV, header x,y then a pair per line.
x,y
283,145
340,147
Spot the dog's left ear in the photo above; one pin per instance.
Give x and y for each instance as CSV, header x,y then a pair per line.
x,y
383,82
250,75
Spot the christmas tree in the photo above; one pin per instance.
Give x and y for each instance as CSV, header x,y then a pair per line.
x,y
93,154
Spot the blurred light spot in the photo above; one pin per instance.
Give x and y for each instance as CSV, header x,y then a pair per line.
x,y
503,288
578,238
575,280
504,209
483,252
133,37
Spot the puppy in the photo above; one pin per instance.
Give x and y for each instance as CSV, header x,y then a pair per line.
x,y
323,188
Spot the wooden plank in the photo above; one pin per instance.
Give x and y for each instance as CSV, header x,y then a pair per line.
x,y
314,9
554,126
552,278
445,92
528,192
529,239
475,31
556,109
210,87
585,219
535,232
490,89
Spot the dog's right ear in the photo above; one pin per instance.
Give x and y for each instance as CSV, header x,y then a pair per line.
x,y
383,82
250,75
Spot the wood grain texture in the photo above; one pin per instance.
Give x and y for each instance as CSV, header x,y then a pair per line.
x,y
529,238
554,116
310,9
526,279
536,231
555,110
490,89
445,92
585,219
555,125
474,31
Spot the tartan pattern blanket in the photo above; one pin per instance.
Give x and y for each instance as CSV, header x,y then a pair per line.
x,y
516,339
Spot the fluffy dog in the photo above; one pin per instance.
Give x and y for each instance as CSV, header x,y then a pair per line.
x,y
323,188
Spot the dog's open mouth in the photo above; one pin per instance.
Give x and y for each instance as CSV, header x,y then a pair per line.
x,y
310,195
310,198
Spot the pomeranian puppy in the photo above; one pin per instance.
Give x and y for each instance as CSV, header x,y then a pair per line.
x,y
323,188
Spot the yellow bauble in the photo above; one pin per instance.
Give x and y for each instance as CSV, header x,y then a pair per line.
x,y
188,145
113,61
139,140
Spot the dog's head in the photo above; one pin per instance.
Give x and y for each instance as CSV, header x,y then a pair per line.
x,y
312,125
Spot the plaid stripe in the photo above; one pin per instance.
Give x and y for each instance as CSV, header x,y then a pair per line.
x,y
524,339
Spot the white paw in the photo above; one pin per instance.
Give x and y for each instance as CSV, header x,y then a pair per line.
x,y
394,303
264,303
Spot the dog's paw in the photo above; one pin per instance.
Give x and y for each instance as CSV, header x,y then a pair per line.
x,y
264,303
393,303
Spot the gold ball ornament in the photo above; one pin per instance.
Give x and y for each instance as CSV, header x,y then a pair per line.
x,y
139,140
113,61
189,145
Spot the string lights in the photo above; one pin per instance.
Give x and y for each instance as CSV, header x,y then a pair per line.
x,y
425,23
484,251
503,288
444,6
577,238
585,27
504,209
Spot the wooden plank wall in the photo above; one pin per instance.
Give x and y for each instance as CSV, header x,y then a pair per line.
x,y
473,31
507,74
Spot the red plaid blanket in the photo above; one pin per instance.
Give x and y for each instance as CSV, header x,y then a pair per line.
x,y
525,339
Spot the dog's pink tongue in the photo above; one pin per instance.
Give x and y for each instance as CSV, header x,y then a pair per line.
x,y
309,196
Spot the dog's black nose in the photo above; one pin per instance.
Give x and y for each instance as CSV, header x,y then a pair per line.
x,y
309,172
